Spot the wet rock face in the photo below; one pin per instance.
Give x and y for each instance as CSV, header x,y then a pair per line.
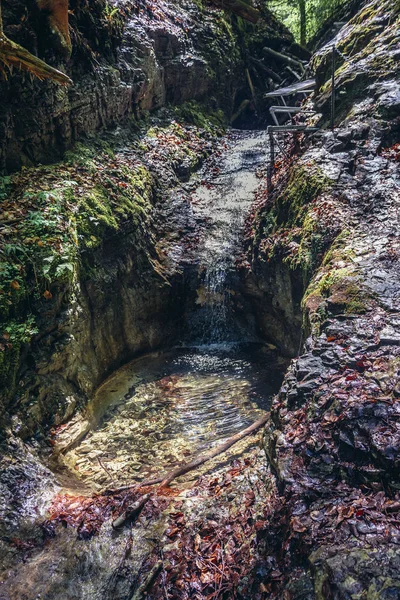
x,y
107,319
130,61
333,440
125,296
26,488
367,63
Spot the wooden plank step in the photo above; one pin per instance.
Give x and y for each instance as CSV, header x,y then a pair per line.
x,y
288,109
272,128
297,88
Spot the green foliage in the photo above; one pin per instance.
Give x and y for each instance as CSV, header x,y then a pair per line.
x,y
317,12
112,18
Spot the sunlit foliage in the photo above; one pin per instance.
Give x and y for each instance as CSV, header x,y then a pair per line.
x,y
316,13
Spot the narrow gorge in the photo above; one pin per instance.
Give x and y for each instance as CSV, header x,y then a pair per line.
x,y
199,322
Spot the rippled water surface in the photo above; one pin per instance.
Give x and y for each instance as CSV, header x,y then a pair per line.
x,y
165,408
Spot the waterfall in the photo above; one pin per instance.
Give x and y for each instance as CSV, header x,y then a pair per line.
x,y
224,201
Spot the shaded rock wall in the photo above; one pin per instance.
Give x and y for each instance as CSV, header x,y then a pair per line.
x,y
125,309
131,61
124,63
95,286
333,438
270,305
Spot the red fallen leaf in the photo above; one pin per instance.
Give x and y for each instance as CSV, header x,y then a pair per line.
x,y
331,338
172,532
351,377
297,525
250,498
206,577
360,512
259,525
362,364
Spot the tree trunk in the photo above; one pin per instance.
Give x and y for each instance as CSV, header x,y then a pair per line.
x,y
58,21
240,8
303,22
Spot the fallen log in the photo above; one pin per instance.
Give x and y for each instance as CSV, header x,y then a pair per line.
x,y
185,468
144,587
283,58
14,55
266,69
182,470
240,8
251,86
239,111
131,512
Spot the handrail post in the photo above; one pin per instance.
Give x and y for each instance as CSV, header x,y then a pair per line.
x,y
271,160
333,87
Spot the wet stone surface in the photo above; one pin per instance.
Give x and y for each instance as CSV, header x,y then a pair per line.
x,y
159,411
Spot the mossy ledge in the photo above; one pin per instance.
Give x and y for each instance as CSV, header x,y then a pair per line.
x,y
55,217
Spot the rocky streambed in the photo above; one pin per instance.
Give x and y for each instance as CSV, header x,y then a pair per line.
x,y
313,514
155,413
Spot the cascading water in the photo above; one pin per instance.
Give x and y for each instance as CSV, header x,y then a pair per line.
x,y
224,203
161,410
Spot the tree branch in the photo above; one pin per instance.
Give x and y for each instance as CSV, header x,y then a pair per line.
x,y
240,8
14,55
183,469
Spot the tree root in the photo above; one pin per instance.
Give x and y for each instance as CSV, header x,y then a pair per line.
x,y
142,589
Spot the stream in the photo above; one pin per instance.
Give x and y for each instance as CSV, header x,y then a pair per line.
x,y
168,406
164,408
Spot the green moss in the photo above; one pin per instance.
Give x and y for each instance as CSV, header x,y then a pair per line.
x,y
334,291
289,228
94,217
196,114
305,185
321,286
84,155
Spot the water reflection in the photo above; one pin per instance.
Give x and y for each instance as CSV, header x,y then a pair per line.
x,y
165,408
